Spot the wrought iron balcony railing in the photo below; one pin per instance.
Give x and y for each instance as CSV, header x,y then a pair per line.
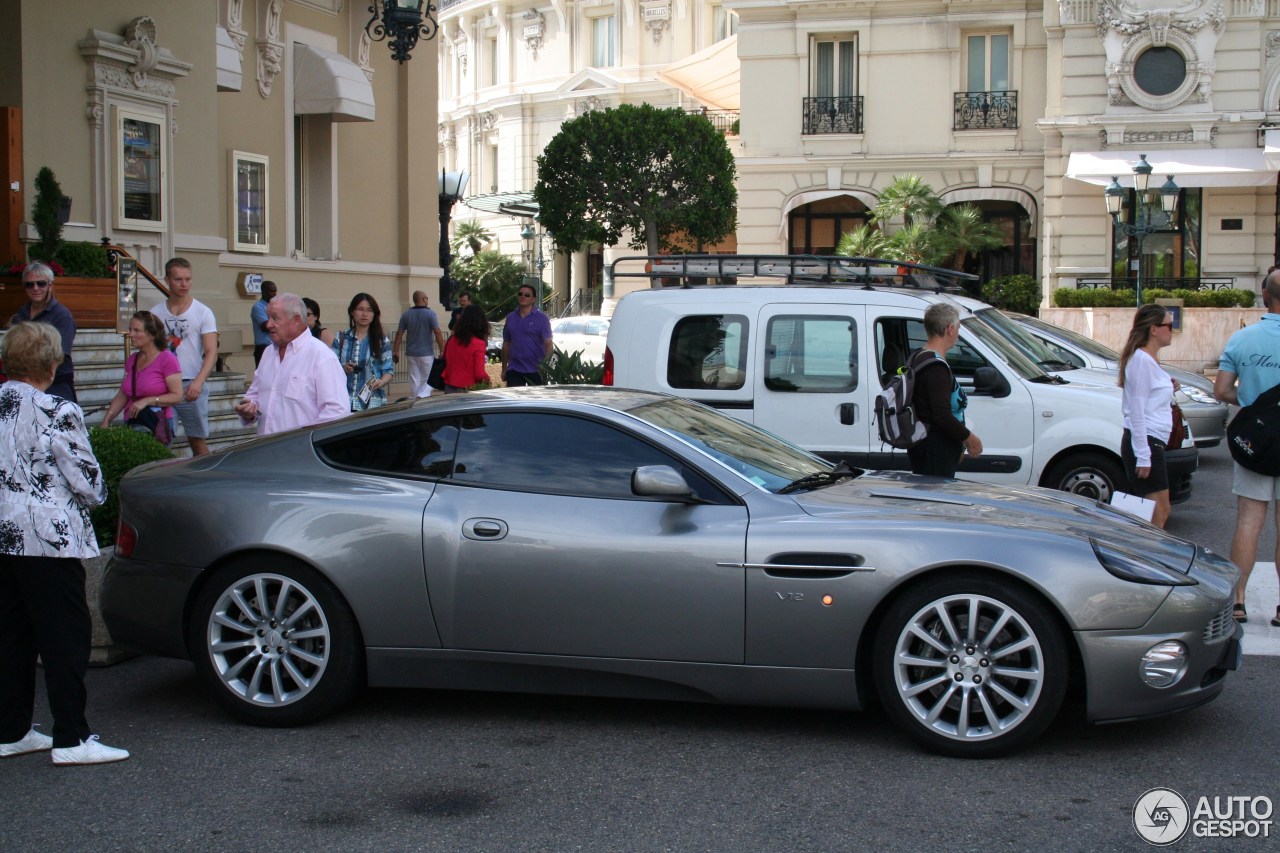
x,y
985,110
725,121
833,115
1184,283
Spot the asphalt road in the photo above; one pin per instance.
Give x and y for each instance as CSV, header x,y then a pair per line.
x,y
442,771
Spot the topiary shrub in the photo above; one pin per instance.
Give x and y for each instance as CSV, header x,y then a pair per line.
x,y
1013,292
44,215
119,450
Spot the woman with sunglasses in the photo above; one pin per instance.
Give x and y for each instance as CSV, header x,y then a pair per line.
x,y
1147,405
313,322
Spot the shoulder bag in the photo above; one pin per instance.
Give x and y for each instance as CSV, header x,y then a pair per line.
x,y
148,419
436,377
1254,434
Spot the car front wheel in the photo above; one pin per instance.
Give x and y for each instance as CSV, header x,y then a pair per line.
x,y
276,643
1089,475
970,667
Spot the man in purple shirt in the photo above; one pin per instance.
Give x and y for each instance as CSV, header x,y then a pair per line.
x,y
41,307
298,383
526,341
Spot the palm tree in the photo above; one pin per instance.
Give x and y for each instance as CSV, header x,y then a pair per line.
x,y
862,242
962,231
907,197
916,243
471,234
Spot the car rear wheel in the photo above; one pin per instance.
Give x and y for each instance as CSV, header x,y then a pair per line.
x,y
1089,475
970,667
276,643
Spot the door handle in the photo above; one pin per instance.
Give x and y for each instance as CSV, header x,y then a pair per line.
x,y
848,413
484,529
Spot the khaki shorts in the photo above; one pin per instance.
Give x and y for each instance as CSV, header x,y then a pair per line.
x,y
1251,484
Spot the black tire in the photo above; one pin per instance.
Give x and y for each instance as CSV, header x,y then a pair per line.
x,y
1089,475
965,694
295,660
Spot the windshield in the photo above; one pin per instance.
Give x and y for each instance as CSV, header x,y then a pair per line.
x,y
1030,346
997,341
761,457
1076,339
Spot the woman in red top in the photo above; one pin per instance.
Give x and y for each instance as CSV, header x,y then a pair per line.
x,y
152,375
464,354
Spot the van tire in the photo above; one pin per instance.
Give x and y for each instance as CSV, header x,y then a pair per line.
x,y
1089,475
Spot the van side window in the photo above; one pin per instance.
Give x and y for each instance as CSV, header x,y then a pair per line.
x,y
898,337
708,352
811,353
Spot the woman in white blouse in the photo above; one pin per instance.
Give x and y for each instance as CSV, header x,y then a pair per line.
x,y
49,479
1148,407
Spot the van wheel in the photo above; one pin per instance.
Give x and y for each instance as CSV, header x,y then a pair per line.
x,y
1089,475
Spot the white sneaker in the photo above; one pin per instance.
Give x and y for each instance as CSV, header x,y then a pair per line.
x,y
90,751
33,742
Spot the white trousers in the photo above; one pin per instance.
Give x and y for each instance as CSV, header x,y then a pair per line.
x,y
419,370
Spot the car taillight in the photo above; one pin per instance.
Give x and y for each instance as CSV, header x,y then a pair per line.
x,y
607,379
126,538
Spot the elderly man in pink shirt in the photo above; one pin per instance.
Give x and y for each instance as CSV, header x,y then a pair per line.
x,y
299,382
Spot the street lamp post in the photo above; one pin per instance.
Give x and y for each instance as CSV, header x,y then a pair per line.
x,y
1144,223
452,185
533,255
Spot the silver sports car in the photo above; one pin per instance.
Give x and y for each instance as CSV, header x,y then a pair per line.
x,y
614,542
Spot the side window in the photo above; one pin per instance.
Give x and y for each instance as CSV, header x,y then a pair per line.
x,y
1063,354
411,449
560,454
708,352
811,353
898,337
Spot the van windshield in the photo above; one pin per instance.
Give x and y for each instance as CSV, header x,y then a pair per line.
x,y
997,341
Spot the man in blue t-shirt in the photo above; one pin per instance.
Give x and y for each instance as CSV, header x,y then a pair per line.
x,y
1250,364
422,326
258,318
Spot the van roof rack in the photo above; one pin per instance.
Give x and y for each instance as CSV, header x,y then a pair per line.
x,y
695,270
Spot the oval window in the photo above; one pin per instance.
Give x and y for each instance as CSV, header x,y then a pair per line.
x,y
1160,70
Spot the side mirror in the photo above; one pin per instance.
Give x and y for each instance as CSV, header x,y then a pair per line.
x,y
989,382
660,481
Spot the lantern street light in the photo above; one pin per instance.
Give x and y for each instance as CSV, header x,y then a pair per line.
x,y
452,185
1145,223
537,262
404,22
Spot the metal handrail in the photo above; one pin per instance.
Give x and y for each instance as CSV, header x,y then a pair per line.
x,y
114,252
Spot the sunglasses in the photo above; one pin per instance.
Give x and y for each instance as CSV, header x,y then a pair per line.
x,y
1168,325
525,295
35,285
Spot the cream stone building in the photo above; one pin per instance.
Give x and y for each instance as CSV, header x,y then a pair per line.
x,y
1025,109
261,137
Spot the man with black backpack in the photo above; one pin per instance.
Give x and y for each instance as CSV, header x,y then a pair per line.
x,y
938,400
1252,356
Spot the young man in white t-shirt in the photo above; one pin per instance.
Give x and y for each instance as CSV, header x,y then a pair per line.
x,y
193,338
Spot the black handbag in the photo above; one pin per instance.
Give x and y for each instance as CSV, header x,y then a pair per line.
x,y
1254,434
436,377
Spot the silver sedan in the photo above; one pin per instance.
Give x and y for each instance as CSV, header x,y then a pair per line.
x,y
619,543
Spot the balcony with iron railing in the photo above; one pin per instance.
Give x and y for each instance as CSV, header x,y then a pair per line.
x,y
985,111
725,121
832,114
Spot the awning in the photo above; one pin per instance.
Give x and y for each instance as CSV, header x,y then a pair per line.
x,y
511,204
1202,167
327,83
1271,148
230,76
712,75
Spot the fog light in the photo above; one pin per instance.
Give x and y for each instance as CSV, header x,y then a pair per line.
x,y
1164,664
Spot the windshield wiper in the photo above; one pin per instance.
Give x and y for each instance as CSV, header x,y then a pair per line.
x,y
821,478
1056,365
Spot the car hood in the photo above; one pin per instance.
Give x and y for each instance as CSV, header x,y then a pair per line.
x,y
929,500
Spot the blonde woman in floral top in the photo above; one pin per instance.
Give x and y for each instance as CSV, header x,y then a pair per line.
x,y
365,354
49,479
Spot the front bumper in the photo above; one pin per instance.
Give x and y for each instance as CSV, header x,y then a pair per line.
x,y
1197,616
144,605
1181,464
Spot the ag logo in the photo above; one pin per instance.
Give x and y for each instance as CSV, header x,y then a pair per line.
x,y
1161,816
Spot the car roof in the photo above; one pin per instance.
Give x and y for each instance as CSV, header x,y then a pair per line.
x,y
851,294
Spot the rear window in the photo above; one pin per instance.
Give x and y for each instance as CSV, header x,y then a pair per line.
x,y
708,352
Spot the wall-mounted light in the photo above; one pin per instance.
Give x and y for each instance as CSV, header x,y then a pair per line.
x,y
403,22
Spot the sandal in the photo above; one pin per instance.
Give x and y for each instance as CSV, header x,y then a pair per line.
x,y
1276,621
1241,615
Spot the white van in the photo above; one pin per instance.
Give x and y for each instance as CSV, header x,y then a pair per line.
x,y
805,362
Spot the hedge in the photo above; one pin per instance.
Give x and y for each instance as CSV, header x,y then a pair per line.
x,y
1069,297
119,450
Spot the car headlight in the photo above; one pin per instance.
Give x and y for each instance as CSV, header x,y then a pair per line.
x,y
1198,395
1164,664
1137,569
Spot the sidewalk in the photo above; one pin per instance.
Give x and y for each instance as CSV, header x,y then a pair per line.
x,y
1261,597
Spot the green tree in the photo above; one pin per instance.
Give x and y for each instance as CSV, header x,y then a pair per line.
x,y
907,198
655,172
917,243
44,215
492,278
862,242
471,234
963,232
